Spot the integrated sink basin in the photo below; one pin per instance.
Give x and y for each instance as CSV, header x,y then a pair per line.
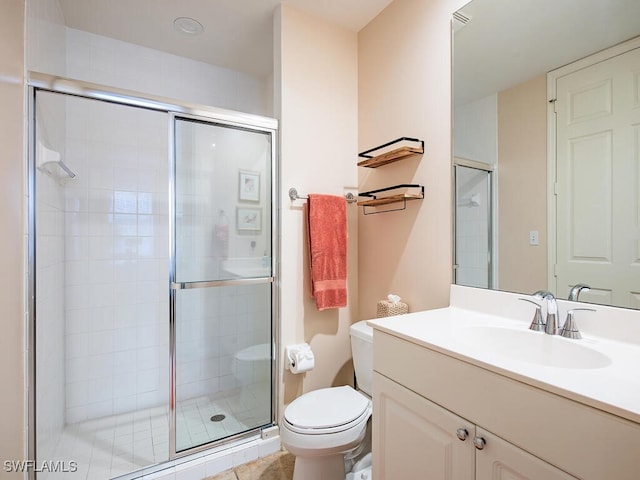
x,y
534,347
490,330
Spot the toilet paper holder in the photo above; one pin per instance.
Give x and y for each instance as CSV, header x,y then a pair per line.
x,y
299,358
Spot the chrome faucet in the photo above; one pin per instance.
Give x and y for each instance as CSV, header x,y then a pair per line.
x,y
551,324
576,289
569,329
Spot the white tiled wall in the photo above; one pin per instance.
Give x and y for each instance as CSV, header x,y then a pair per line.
x,y
102,60
116,268
117,256
56,49
45,43
46,37
50,399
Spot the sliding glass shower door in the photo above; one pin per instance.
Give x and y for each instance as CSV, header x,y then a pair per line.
x,y
222,281
150,281
100,236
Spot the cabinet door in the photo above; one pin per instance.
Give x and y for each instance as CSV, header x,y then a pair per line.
x,y
501,460
415,438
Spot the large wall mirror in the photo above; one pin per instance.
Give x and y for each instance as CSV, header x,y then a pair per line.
x,y
547,104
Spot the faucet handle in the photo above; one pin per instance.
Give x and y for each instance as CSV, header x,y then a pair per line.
x,y
537,323
570,328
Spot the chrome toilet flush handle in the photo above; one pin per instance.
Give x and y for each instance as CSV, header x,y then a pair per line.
x,y
537,323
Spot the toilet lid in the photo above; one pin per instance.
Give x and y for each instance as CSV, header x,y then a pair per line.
x,y
326,408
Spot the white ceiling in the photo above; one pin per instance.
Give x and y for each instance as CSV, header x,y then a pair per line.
x,y
238,34
507,42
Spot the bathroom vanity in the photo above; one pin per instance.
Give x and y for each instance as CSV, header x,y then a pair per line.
x,y
470,392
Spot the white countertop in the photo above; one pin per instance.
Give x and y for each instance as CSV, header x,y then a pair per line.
x,y
613,387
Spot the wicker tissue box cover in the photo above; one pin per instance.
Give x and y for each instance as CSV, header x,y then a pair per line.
x,y
387,308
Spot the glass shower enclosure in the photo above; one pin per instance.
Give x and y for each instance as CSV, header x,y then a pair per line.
x,y
222,280
152,309
473,264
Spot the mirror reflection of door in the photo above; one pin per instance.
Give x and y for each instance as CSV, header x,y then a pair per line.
x,y
501,90
598,203
473,265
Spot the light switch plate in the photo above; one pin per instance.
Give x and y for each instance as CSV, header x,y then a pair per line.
x,y
533,237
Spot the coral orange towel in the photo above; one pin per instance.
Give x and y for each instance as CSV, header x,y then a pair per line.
x,y
327,215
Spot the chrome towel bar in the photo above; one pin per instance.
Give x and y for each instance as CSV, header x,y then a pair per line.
x,y
293,195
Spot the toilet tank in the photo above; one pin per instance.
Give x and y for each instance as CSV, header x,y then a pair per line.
x,y
362,351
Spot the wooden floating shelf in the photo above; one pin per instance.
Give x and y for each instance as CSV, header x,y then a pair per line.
x,y
411,192
400,153
376,202
390,157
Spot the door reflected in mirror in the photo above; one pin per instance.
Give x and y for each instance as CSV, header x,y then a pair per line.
x,y
551,103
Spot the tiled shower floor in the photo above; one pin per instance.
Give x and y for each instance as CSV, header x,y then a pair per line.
x,y
112,446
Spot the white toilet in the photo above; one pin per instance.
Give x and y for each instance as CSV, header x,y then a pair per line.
x,y
320,427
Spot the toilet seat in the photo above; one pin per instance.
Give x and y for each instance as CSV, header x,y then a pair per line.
x,y
327,410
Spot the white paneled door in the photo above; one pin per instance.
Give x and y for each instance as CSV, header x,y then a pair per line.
x,y
598,165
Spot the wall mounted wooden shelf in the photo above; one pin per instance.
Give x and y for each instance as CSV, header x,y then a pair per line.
x,y
413,192
391,156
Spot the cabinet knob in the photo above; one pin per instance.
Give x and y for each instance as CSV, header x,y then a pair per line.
x,y
462,433
479,442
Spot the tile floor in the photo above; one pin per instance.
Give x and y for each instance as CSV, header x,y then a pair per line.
x,y
112,446
278,466
242,409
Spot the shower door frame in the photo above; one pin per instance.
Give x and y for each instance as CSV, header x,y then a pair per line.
x,y
174,109
176,286
491,227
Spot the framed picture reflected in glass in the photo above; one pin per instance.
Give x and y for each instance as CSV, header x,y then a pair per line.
x,y
248,186
249,219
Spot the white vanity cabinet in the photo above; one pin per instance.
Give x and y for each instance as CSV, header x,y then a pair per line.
x,y
422,398
500,460
415,438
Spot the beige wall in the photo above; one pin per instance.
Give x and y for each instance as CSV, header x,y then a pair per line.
x,y
522,186
316,102
12,225
404,59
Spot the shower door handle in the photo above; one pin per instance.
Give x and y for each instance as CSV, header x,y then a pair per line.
x,y
220,283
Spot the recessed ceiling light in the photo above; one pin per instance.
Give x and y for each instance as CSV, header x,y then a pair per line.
x,y
188,25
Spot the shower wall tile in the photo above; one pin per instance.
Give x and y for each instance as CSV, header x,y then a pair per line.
x,y
50,312
102,60
116,262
